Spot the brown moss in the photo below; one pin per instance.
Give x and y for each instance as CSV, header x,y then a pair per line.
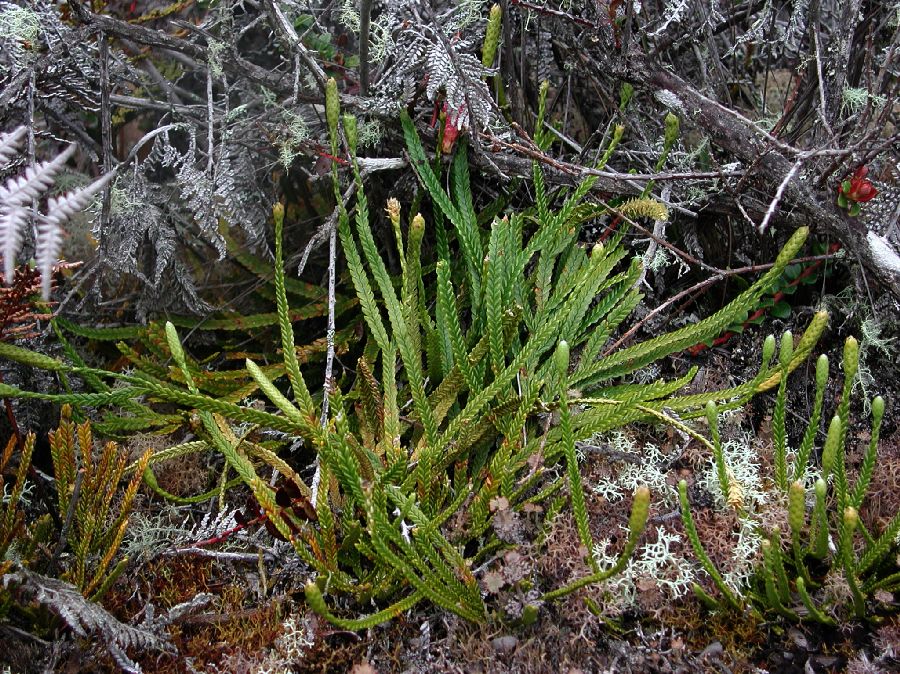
x,y
740,634
229,629
184,476
334,653
882,500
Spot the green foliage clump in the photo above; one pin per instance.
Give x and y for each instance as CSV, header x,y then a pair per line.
x,y
94,515
828,545
465,391
58,565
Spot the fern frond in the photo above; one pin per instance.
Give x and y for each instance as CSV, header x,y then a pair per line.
x,y
11,142
35,181
587,288
15,200
385,538
49,228
196,401
88,619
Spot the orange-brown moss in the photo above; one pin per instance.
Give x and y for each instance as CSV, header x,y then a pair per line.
x,y
230,627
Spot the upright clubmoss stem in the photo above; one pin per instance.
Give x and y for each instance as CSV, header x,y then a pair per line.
x,y
332,113
561,361
778,416
492,36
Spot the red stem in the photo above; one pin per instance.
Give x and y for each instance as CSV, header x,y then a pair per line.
x,y
777,297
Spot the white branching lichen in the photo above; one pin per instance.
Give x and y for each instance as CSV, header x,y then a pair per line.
x,y
296,133
742,567
742,462
20,28
215,51
659,563
854,99
370,133
673,14
650,469
348,15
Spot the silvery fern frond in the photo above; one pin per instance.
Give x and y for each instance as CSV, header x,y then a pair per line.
x,y
15,198
86,618
49,228
199,194
12,217
36,180
10,143
439,67
459,74
213,524
238,191
199,189
468,98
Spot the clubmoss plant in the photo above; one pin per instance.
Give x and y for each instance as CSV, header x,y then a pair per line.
x,y
12,519
58,566
492,36
94,518
826,540
468,358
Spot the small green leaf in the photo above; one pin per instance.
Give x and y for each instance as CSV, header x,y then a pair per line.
x,y
792,271
781,310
